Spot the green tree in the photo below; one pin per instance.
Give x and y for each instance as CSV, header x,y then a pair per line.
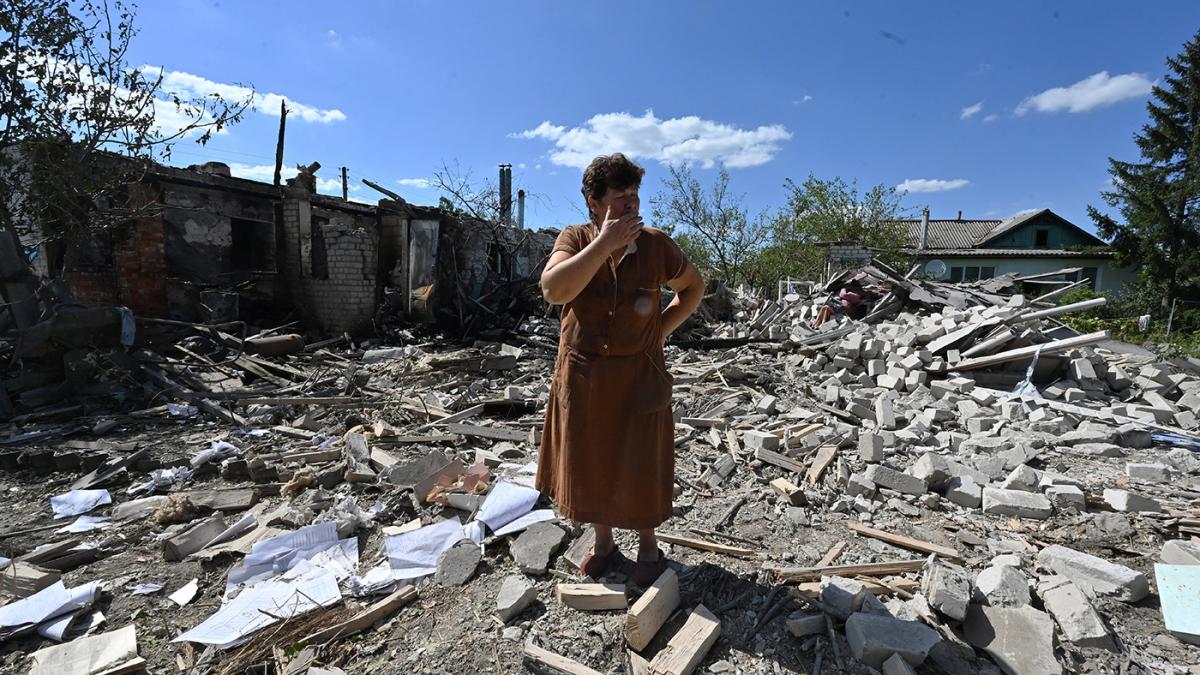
x,y
828,210
78,122
710,225
1157,197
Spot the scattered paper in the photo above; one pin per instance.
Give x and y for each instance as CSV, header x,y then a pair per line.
x,y
163,478
5,562
146,589
89,655
77,502
261,605
414,554
242,526
49,603
475,531
526,520
271,557
86,524
181,410
506,502
186,593
377,580
218,450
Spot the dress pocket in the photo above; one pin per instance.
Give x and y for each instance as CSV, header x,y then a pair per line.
x,y
654,386
572,381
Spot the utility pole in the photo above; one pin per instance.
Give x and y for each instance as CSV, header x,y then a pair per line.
x,y
345,185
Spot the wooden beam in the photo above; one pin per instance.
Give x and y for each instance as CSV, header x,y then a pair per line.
x,y
652,610
1027,352
591,597
496,433
366,618
869,569
812,589
689,646
832,554
780,460
546,661
825,455
789,492
703,545
905,542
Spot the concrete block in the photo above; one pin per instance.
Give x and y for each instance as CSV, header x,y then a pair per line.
x,y
1065,497
885,416
801,624
1002,586
964,491
516,593
1155,473
1101,576
896,665
979,425
1024,478
870,448
766,405
841,596
890,478
1019,639
1134,436
760,439
193,539
1126,501
1098,450
947,588
999,502
858,485
1074,613
874,639
1180,552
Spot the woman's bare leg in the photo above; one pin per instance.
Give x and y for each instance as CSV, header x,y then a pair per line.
x,y
647,545
604,539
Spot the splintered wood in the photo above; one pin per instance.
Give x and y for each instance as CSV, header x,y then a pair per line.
x,y
688,647
652,610
906,542
592,597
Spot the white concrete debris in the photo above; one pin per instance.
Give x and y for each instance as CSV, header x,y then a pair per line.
x,y
1000,502
1019,639
874,639
1002,585
947,587
1180,552
890,478
1074,613
1100,576
1124,500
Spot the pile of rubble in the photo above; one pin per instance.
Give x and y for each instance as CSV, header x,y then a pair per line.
x,y
954,484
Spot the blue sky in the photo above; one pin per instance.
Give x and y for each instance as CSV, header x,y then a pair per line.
x,y
882,92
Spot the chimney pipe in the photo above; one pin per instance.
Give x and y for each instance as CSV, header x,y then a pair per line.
x,y
521,209
505,194
925,229
960,214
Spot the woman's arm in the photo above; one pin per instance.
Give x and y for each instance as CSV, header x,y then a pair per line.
x,y
567,274
689,291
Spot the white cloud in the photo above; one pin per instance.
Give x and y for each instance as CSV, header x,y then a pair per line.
x,y
423,183
521,165
1089,93
188,85
335,40
801,101
931,184
266,173
991,118
677,140
970,110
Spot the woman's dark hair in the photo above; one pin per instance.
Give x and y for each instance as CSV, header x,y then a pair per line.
x,y
610,171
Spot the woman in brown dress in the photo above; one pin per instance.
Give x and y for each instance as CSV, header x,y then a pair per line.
x,y
608,451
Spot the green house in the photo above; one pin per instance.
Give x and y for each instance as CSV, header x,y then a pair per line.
x,y
1032,243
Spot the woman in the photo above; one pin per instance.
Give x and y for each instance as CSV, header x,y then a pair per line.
x,y
608,455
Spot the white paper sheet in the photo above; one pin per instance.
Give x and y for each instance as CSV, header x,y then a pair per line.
x,y
50,602
414,554
87,655
270,557
86,524
146,589
526,520
475,531
241,617
4,562
186,593
505,503
377,580
76,502
217,450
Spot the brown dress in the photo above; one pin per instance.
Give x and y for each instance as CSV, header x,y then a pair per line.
x,y
608,450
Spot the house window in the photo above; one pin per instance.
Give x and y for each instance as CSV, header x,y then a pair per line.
x,y
987,272
956,274
1088,273
971,273
1041,238
251,244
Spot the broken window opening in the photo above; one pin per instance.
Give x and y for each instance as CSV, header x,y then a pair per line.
x,y
1088,273
971,273
956,274
1041,238
499,260
252,242
987,272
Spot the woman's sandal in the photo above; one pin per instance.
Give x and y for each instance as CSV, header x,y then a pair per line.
x,y
646,572
595,565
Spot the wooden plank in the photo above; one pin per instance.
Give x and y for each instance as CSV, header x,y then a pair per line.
x,y
495,433
799,432
703,545
366,618
812,589
779,460
832,554
456,417
637,664
652,610
1027,352
591,597
905,542
230,499
689,646
825,455
544,660
869,569
314,457
381,459
789,492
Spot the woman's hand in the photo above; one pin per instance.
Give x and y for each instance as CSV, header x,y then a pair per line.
x,y
616,234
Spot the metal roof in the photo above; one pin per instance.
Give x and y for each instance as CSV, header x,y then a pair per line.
x,y
948,233
1007,253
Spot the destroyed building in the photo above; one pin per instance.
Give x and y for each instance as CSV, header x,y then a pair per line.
x,y
221,247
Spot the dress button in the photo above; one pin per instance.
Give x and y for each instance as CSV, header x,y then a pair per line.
x,y
610,312
606,346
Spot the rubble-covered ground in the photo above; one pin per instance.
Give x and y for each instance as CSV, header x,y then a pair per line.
x,y
1028,525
